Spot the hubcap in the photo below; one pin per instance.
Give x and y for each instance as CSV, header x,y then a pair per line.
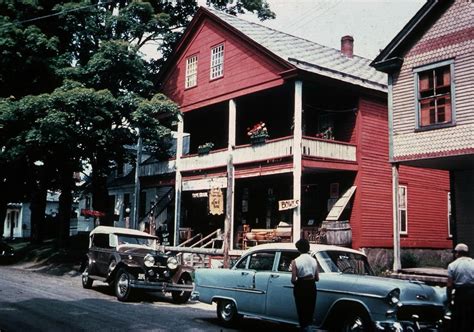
x,y
227,310
122,284
355,324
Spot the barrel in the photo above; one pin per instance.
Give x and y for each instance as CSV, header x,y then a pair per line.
x,y
338,233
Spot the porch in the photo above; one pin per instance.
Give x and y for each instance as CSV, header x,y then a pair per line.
x,y
272,149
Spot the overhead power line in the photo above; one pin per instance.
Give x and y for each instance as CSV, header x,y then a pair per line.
x,y
59,13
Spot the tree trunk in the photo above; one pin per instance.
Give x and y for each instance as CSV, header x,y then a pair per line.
x,y
65,205
37,207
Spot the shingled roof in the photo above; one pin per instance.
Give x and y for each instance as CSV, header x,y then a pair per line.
x,y
307,55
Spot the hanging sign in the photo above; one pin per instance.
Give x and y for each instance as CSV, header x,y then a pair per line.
x,y
216,201
288,204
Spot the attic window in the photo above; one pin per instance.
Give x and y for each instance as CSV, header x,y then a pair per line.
x,y
434,95
191,71
217,61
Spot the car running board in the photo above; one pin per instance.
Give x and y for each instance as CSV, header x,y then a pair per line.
x,y
97,278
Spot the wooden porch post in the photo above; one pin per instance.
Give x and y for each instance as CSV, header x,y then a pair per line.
x,y
396,219
229,217
297,155
178,180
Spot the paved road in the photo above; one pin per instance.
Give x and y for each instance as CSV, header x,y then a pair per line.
x,y
33,301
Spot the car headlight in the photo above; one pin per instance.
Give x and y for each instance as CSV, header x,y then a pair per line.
x,y
149,260
394,296
172,263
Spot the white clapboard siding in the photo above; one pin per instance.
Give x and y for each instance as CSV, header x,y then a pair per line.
x,y
326,149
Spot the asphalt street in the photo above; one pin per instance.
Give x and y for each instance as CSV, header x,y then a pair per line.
x,y
34,301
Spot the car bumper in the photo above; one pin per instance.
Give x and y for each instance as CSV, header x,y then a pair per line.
x,y
407,326
161,286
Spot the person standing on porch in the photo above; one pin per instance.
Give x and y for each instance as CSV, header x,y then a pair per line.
x,y
461,279
304,274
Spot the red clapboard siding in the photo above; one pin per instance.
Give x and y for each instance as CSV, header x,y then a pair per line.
x,y
427,191
244,68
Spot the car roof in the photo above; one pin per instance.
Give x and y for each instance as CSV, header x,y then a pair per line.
x,y
118,230
314,247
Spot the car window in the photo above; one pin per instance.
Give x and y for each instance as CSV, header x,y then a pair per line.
x,y
344,262
101,241
242,264
286,257
262,261
139,240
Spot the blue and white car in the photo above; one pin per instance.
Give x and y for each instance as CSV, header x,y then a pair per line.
x,y
350,297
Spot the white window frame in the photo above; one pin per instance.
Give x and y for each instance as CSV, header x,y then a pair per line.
x,y
416,75
217,61
403,209
449,215
191,71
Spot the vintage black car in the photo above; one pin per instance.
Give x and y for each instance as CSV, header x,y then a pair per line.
x,y
7,253
129,259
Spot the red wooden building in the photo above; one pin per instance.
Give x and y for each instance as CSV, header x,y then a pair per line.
x,y
326,116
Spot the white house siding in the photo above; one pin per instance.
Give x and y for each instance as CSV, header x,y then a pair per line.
x,y
455,21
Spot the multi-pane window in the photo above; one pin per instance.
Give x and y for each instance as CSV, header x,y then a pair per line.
x,y
434,96
402,209
191,71
217,61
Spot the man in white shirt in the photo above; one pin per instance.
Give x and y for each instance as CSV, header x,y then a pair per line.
x,y
461,279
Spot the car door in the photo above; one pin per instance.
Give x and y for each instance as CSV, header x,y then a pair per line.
x,y
280,301
103,253
255,282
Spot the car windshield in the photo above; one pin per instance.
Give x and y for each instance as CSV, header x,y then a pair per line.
x,y
137,240
344,262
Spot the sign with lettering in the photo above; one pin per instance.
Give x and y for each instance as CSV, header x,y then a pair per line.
x,y
288,204
216,201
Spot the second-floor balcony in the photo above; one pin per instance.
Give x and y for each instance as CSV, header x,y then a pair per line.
x,y
243,154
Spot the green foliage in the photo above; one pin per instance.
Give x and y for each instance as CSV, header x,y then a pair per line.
x,y
76,88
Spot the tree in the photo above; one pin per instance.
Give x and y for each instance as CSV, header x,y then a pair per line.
x,y
90,86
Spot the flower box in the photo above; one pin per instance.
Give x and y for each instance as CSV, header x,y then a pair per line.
x,y
256,140
205,148
258,133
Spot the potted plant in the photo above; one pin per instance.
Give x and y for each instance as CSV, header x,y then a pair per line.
x,y
205,148
258,133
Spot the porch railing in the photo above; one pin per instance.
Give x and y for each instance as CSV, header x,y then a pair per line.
x,y
272,149
321,148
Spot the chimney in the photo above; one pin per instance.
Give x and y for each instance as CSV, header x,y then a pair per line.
x,y
347,46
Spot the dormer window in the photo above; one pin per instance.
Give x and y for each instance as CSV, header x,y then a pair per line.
x,y
435,95
191,71
217,61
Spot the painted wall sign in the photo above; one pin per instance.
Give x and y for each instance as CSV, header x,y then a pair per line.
x,y
288,204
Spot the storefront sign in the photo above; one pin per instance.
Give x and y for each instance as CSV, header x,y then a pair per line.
x,y
288,204
204,184
201,194
216,201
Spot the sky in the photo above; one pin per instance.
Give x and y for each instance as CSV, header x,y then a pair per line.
x,y
372,23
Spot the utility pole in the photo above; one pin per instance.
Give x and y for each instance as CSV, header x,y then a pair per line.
x,y
137,182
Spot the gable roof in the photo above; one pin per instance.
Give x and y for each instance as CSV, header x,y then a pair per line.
x,y
297,52
390,58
